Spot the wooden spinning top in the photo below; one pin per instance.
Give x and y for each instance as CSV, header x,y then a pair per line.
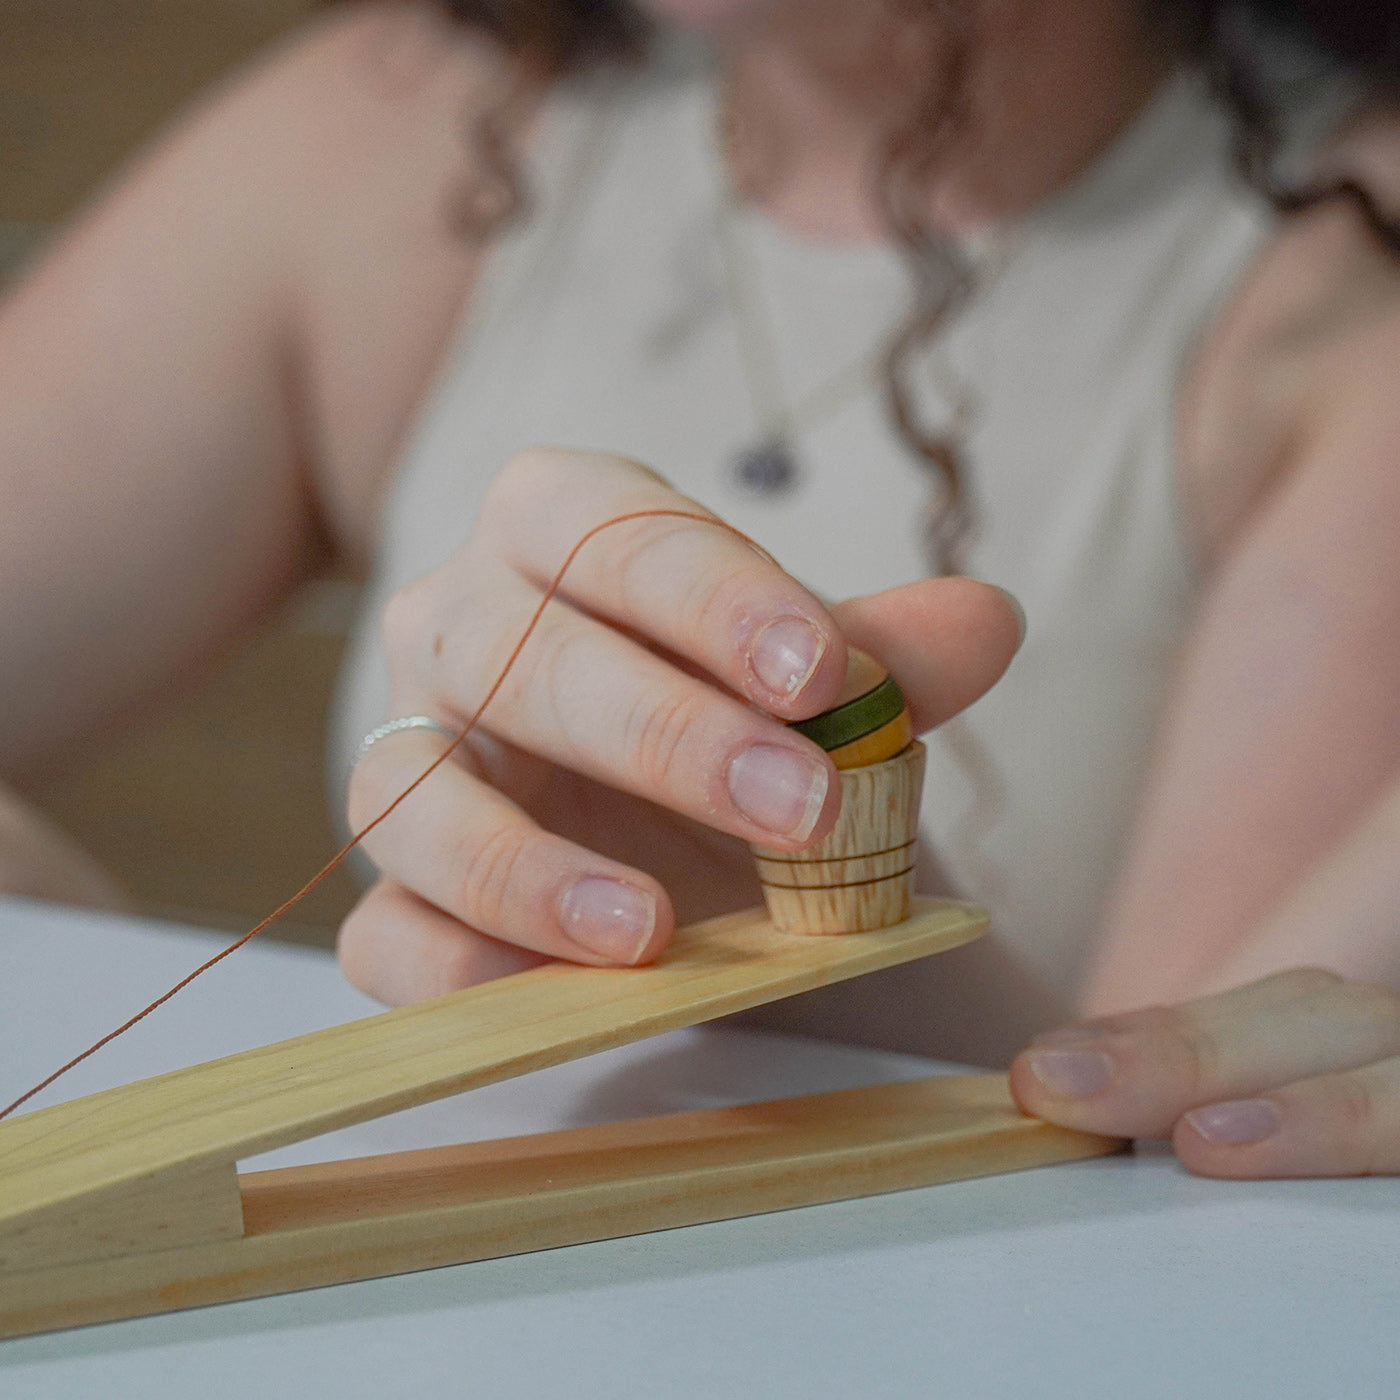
x,y
860,877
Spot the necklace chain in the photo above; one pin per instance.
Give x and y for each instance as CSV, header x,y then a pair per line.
x,y
770,463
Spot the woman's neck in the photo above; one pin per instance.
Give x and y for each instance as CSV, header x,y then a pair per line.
x,y
814,105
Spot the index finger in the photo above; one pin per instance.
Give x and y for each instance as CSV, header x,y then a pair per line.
x,y
1135,1075
700,591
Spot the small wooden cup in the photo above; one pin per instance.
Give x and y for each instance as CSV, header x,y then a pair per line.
x,y
861,876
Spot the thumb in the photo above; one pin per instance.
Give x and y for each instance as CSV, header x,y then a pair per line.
x,y
945,640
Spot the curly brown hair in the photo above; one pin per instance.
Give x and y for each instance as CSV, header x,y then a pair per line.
x,y
558,35
1280,65
554,38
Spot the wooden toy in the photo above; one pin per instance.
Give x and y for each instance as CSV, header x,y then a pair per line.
x,y
131,1202
861,875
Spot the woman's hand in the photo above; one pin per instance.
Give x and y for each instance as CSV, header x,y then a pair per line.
x,y
1295,1075
644,715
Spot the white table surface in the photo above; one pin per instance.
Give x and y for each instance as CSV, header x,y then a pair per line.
x,y
1120,1277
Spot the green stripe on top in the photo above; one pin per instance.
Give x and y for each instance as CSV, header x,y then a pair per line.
x,y
856,718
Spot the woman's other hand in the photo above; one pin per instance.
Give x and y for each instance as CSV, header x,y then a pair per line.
x,y
645,715
1294,1075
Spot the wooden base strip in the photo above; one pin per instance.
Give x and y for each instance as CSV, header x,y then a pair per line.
x,y
78,1179
844,883
310,1226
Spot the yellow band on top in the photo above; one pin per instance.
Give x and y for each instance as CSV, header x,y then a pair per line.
x,y
875,747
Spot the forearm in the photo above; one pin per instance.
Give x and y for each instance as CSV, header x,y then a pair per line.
x,y
1282,734
1344,915
153,498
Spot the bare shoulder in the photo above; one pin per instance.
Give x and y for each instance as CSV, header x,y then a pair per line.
x,y
365,96
1305,351
362,94
314,190
362,129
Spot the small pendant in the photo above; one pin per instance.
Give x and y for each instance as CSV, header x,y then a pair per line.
x,y
768,469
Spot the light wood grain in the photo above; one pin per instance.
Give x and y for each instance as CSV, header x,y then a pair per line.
x,y
360,1219
145,1144
860,877
184,1205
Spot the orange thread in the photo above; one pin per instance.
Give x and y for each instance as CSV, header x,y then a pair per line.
x,y
364,831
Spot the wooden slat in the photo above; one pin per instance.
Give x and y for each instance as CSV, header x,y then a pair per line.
x,y
150,1132
310,1226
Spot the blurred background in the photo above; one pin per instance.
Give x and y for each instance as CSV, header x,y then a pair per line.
x,y
216,812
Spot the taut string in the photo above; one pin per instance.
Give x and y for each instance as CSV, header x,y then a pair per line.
x,y
340,855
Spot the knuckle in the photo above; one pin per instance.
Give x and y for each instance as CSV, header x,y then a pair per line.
x,y
632,548
519,477
406,618
446,629
650,476
488,873
1379,1007
1185,1044
364,793
548,672
664,549
716,599
1370,1009
656,737
1353,1110
1201,1059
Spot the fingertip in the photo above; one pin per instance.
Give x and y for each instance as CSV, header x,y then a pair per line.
x,y
828,809
947,640
987,621
1018,614
1025,1088
1236,1140
1052,1084
1202,1157
655,945
797,664
622,920
828,680
663,926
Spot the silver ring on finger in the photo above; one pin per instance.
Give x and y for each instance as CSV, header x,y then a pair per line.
x,y
397,726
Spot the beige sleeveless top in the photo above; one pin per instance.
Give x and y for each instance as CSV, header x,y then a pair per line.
x,y
604,323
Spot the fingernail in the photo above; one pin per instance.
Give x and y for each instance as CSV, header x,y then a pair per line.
x,y
1073,1074
1236,1123
785,654
779,790
608,917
